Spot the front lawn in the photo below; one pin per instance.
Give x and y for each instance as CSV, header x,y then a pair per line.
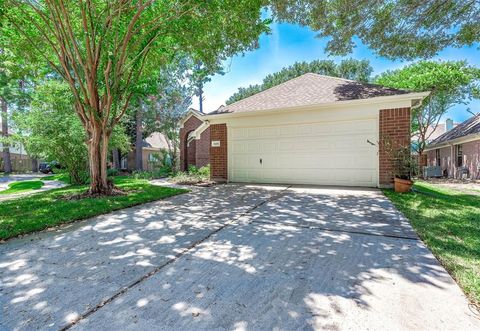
x,y
23,186
449,224
50,208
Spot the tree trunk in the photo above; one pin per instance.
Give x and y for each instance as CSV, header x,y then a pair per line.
x,y
138,139
34,165
7,163
97,159
200,98
116,159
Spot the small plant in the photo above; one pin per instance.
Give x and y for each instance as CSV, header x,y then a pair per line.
x,y
403,164
193,176
112,172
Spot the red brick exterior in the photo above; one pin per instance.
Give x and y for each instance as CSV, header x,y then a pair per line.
x,y
202,156
394,125
218,155
197,153
445,160
471,159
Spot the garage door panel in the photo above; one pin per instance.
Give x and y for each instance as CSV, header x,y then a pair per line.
x,y
335,153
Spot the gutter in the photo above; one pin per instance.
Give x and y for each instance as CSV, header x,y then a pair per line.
x,y
419,96
456,141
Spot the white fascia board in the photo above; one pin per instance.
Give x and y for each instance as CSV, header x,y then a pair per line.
x,y
457,141
413,98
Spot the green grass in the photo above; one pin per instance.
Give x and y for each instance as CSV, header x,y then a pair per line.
x,y
39,211
63,177
23,186
449,224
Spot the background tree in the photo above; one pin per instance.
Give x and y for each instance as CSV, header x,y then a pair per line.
x,y
14,92
201,74
359,70
450,83
52,131
171,88
394,29
103,48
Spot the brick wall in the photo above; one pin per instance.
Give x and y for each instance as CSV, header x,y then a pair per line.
x,y
471,158
203,149
218,155
394,127
445,159
192,153
191,124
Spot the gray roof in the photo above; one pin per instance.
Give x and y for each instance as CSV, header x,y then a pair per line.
x,y
308,89
470,126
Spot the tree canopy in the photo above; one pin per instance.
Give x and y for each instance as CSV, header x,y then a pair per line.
x,y
359,70
450,83
394,29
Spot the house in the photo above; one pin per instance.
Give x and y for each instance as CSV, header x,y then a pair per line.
x,y
313,129
457,151
152,148
433,132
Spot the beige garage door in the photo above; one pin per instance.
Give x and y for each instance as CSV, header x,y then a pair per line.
x,y
327,153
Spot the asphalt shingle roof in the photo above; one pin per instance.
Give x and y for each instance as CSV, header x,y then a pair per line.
x,y
308,89
470,126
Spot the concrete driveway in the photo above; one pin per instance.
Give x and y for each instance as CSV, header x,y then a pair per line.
x,y
233,257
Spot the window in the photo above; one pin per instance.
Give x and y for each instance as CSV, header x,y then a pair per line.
x,y
459,155
153,157
437,157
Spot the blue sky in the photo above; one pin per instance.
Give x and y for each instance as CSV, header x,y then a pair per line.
x,y
289,43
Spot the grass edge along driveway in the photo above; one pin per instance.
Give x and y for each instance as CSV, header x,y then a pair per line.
x,y
22,186
46,209
448,222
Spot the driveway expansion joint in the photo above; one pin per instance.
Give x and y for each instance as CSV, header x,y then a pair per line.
x,y
167,263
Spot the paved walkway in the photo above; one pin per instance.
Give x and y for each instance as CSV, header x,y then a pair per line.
x,y
6,180
233,257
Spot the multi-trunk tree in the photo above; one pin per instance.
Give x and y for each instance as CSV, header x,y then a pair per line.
x,y
102,49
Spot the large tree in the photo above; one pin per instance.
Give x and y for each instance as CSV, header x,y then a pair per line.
x,y
359,70
450,83
49,129
394,28
103,48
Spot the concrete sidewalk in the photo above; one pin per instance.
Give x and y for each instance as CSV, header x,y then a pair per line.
x,y
233,257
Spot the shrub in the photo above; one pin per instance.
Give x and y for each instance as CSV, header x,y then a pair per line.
x,y
112,172
193,176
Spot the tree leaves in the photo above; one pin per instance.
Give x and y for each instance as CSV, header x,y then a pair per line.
x,y
395,29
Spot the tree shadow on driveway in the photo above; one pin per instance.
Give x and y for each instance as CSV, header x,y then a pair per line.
x,y
266,270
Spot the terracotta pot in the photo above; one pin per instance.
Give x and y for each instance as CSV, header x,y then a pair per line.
x,y
402,185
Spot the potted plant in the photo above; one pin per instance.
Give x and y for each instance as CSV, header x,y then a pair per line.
x,y
403,167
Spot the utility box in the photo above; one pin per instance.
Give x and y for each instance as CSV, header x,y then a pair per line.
x,y
432,171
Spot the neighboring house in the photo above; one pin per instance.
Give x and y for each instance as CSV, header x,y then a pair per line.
x,y
433,132
313,129
457,151
152,148
20,160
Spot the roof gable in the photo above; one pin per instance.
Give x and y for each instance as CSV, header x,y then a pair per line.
x,y
308,89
